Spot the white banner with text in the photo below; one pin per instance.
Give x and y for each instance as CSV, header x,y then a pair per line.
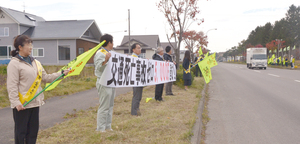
x,y
129,71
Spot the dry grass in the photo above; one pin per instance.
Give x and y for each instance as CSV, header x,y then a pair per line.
x,y
205,117
170,121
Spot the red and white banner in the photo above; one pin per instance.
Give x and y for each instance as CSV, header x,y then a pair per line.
x,y
129,71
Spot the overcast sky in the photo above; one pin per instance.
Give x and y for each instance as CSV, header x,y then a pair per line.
x,y
234,19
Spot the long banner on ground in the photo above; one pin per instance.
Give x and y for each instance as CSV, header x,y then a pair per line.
x,y
129,71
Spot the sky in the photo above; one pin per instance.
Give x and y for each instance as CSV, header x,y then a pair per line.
x,y
233,19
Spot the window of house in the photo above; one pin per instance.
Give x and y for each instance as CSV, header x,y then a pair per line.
x,y
80,51
5,52
4,31
64,52
142,55
38,52
126,51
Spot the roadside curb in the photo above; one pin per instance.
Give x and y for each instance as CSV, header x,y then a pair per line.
x,y
196,138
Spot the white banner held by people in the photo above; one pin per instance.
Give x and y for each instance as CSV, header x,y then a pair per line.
x,y
128,71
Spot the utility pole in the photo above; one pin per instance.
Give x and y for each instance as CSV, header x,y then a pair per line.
x,y
129,31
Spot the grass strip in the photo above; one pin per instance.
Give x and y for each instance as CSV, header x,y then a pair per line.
x,y
170,121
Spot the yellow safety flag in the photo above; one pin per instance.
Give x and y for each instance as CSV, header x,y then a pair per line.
x,y
148,99
200,51
212,60
76,65
205,69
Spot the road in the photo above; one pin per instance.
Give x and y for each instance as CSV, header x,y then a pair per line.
x,y
53,111
253,106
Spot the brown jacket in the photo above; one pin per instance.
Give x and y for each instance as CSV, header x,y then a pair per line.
x,y
20,76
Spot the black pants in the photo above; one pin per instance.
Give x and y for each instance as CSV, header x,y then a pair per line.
x,y
136,99
26,125
198,71
159,91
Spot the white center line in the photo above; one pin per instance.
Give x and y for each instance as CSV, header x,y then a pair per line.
x,y
256,71
297,80
273,75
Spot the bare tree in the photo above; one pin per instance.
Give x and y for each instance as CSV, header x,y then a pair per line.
x,y
180,14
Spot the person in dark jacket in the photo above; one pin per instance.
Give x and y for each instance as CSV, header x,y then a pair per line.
x,y
159,87
167,57
187,77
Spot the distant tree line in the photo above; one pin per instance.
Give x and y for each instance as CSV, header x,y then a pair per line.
x,y
285,32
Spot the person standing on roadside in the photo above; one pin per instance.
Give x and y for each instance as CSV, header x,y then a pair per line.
x,y
187,77
292,61
159,87
106,94
24,76
167,56
137,91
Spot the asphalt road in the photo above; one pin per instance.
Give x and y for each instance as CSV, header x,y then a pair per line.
x,y
253,106
53,111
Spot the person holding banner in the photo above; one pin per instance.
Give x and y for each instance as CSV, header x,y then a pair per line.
x,y
167,57
24,76
106,94
137,91
187,77
159,87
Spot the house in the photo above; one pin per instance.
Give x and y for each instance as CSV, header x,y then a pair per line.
x,y
55,42
148,44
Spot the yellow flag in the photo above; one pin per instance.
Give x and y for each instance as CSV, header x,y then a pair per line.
x,y
273,56
148,99
76,65
200,51
212,60
205,69
206,55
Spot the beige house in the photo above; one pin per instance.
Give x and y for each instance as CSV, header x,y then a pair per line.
x,y
148,44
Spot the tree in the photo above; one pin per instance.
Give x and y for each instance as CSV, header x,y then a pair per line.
x,y
180,14
273,45
193,40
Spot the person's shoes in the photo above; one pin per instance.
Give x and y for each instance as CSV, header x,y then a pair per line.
x,y
109,129
101,131
162,100
139,113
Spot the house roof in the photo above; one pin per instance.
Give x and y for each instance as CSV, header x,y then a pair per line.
x,y
70,29
22,17
150,40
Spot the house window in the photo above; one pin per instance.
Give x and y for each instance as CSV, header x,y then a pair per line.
x,y
126,51
5,52
142,55
38,52
64,52
80,51
4,31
